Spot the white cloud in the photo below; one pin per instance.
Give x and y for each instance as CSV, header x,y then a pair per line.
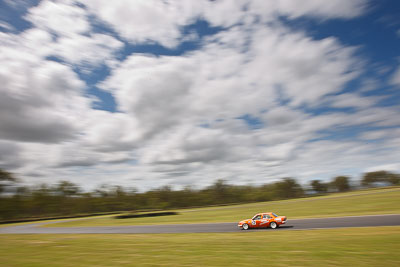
x,y
59,17
10,155
87,50
222,81
305,69
352,100
6,26
40,100
396,77
387,167
69,34
313,8
148,21
110,132
283,117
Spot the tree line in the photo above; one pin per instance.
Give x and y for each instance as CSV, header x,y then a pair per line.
x,y
68,199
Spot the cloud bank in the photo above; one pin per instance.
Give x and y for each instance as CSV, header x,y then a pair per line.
x,y
255,100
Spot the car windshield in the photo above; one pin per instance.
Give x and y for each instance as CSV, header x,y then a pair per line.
x,y
274,214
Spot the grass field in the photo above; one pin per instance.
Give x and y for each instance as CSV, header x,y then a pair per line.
x,y
377,201
331,247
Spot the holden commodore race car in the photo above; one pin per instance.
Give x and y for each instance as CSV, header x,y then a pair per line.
x,y
263,220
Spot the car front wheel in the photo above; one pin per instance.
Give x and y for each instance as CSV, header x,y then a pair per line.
x,y
273,225
245,226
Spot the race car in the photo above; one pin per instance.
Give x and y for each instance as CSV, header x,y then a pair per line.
x,y
263,220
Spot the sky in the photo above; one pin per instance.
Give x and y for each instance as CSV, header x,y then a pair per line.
x,y
151,93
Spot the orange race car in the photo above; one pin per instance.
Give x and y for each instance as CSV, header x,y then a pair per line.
x,y
263,220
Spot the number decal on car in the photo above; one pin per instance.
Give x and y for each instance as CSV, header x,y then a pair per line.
x,y
253,222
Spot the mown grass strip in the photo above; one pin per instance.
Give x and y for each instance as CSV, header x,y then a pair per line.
x,y
333,247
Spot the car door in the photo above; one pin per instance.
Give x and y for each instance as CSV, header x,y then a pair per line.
x,y
265,220
256,221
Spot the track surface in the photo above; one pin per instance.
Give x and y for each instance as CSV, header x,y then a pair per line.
x,y
299,224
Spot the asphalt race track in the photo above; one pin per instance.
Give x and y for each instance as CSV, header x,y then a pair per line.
x,y
300,224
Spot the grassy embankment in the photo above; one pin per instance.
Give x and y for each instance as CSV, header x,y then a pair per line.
x,y
331,247
366,202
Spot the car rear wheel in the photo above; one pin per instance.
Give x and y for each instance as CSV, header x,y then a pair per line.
x,y
245,226
273,225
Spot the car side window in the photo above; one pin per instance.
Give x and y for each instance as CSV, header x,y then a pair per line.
x,y
258,217
266,216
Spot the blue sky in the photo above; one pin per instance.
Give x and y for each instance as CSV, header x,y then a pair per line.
x,y
136,92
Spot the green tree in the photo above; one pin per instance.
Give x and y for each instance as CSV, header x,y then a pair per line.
x,y
288,188
341,183
319,187
67,189
6,179
370,178
394,179
220,191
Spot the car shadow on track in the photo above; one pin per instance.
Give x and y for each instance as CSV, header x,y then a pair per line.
x,y
269,229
